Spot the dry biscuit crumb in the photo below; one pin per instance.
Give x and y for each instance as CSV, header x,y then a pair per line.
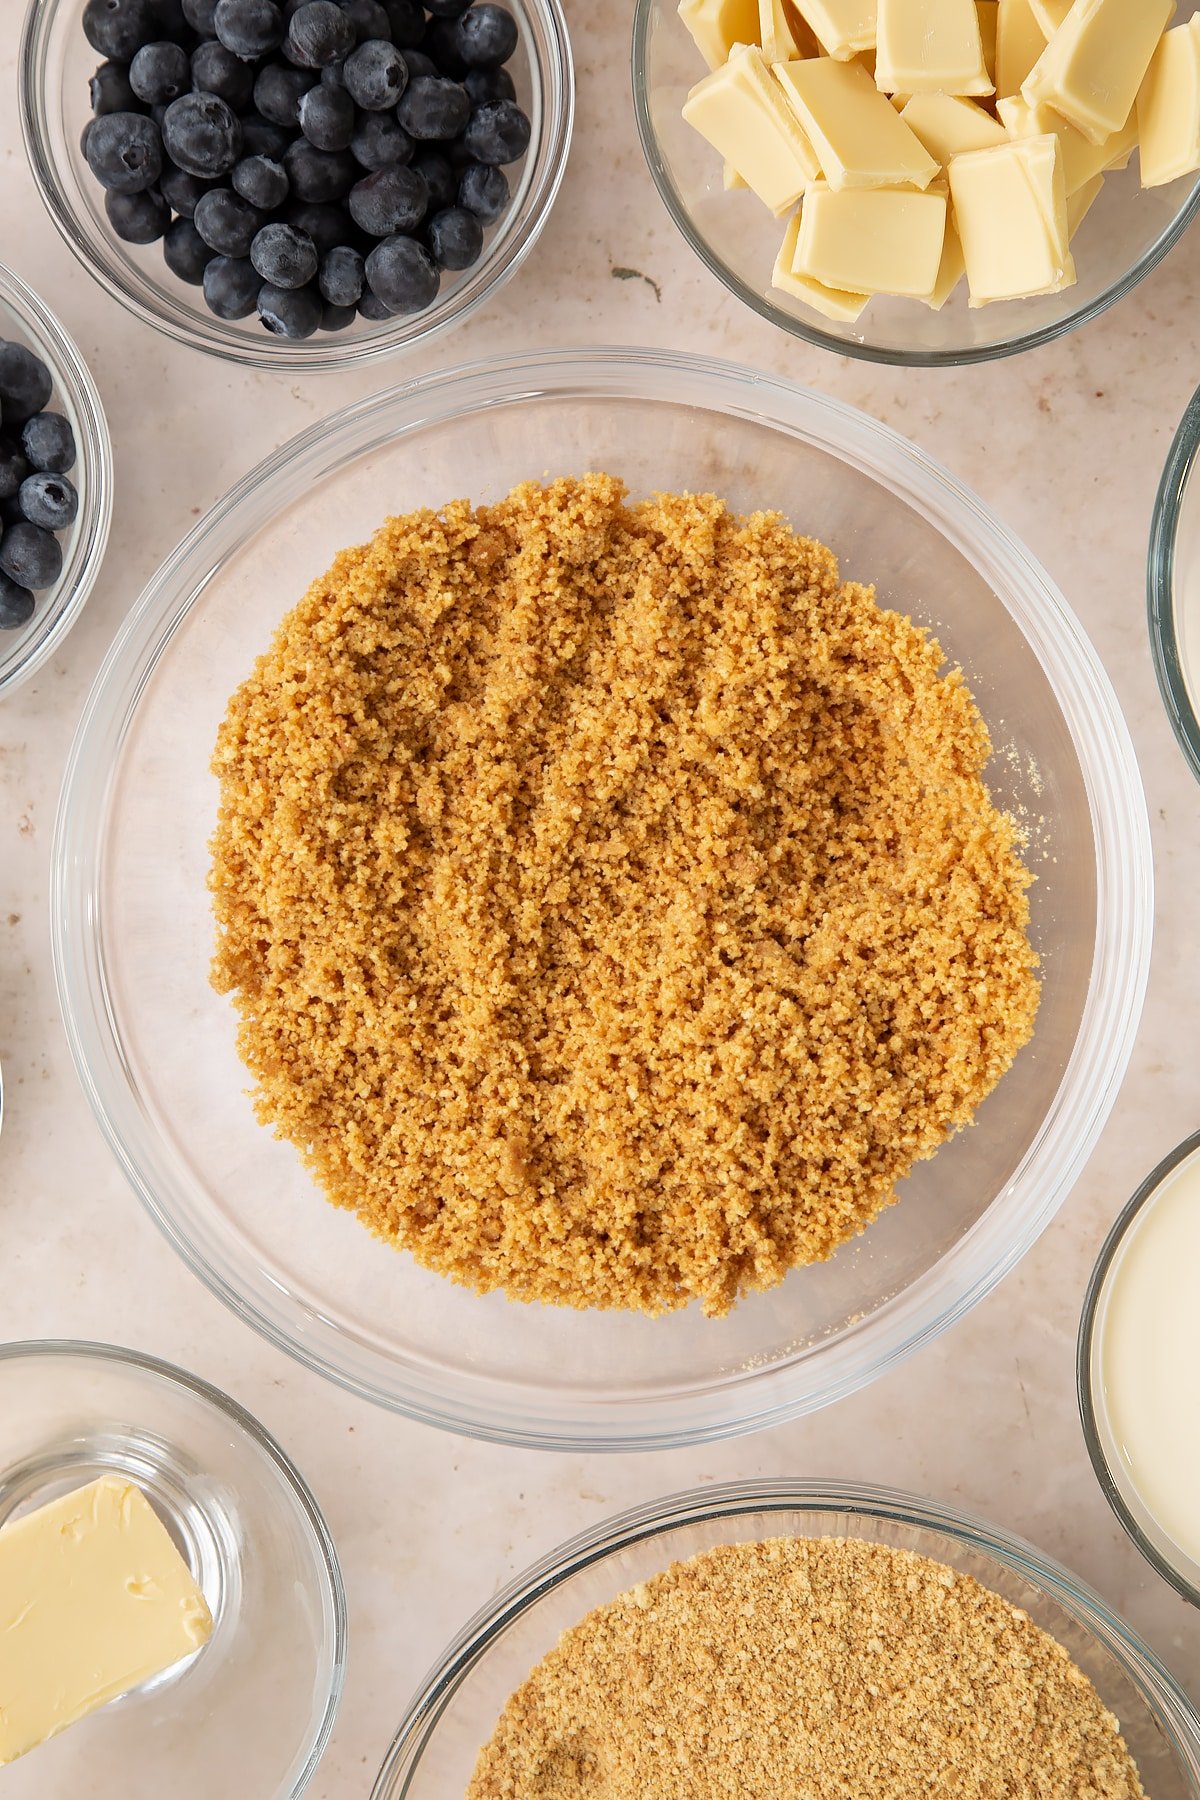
x,y
611,897
825,1668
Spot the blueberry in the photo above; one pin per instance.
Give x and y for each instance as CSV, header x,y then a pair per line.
x,y
49,443
446,9
440,178
250,28
202,134
49,501
231,287
110,90
391,200
340,276
483,190
331,76
498,132
283,256
402,274
368,19
185,252
180,190
262,137
325,225
336,318
13,468
455,237
318,33
17,605
216,70
327,117
261,181
227,223
379,141
420,64
138,218
278,92
489,84
290,312
372,307
441,43
159,73
434,108
201,16
30,556
376,75
319,175
407,20
485,36
25,382
119,28
125,152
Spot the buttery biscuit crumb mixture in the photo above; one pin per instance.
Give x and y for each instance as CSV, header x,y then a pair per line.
x,y
611,897
830,1669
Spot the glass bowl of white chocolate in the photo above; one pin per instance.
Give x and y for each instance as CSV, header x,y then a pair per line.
x,y
923,185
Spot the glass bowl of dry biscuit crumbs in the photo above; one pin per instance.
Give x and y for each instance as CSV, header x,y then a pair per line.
x,y
603,898
792,1637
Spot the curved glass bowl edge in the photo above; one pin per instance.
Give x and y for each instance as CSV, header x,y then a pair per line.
x,y
1160,584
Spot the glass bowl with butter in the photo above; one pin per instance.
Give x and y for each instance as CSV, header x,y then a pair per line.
x,y
1173,586
172,1620
897,196
1138,1364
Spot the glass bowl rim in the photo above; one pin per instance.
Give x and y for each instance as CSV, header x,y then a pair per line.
x,y
95,452
1160,583
325,351
53,1349
1158,1688
1120,836
825,340
1126,1219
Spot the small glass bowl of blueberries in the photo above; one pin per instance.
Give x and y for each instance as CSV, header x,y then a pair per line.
x,y
56,482
298,184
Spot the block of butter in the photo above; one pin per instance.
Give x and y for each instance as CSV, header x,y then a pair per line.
x,y
1081,159
835,303
947,125
1093,66
717,25
1010,207
1168,107
740,108
872,240
859,138
843,28
930,47
1020,40
782,33
94,1599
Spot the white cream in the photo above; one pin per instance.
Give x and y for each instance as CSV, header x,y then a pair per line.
x,y
1147,1358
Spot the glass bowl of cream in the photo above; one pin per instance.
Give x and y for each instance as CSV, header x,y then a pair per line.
x,y
1139,1366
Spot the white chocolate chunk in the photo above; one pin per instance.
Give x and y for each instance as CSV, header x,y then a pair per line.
x,y
730,179
717,25
1081,159
1093,66
740,108
1020,40
987,11
872,240
859,138
1050,14
1010,207
835,303
1079,204
1168,107
948,125
843,28
782,33
951,269
930,47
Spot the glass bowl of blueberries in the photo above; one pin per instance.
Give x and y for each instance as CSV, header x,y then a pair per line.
x,y
56,482
298,184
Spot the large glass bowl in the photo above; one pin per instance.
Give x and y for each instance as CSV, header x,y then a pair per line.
x,y
26,319
1126,234
156,1047
456,1710
56,62
1173,586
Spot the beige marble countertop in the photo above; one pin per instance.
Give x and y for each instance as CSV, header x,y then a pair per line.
x,y
1067,444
